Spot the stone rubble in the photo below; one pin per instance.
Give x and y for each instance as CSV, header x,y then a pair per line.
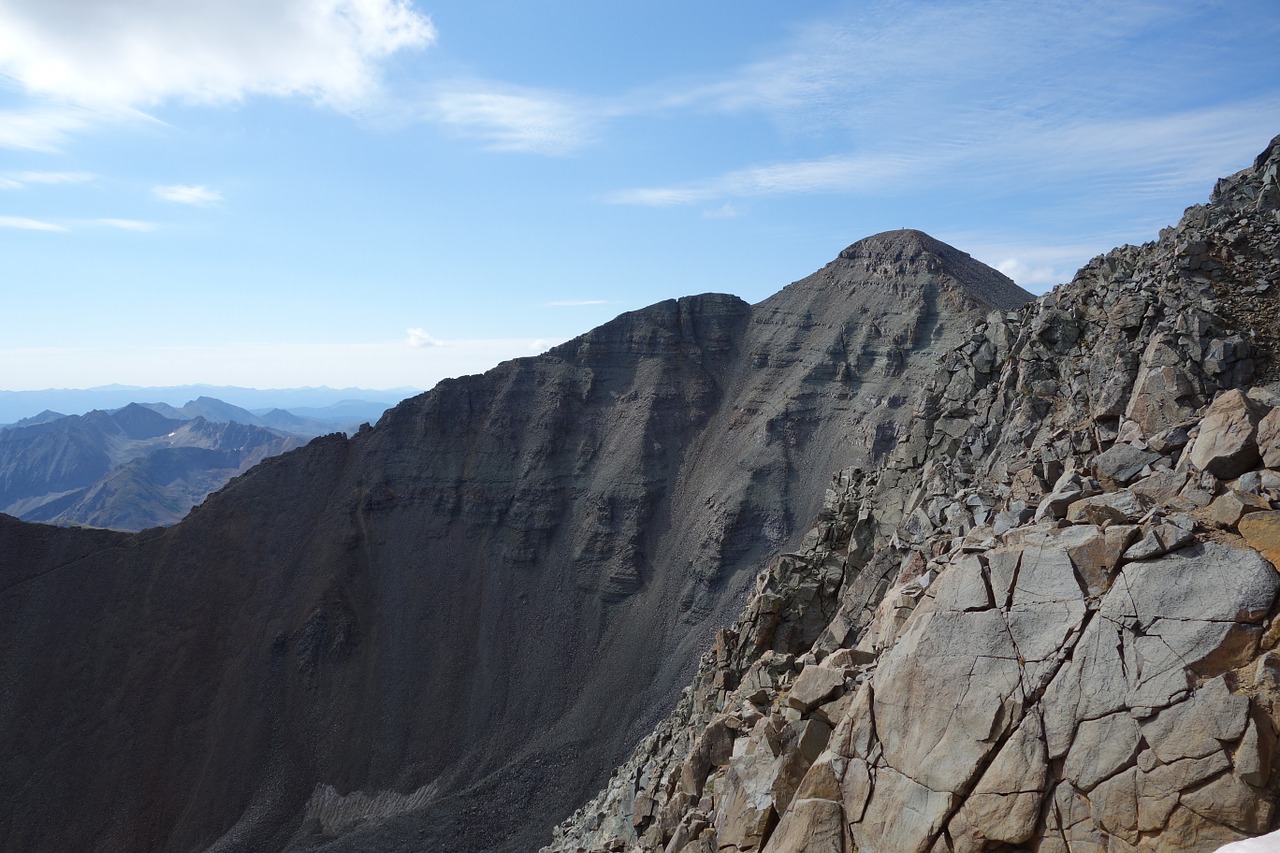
x,y
1048,621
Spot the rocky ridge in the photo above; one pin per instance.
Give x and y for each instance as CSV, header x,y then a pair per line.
x,y
1048,621
442,631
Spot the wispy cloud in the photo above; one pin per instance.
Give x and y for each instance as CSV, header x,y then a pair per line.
x,y
43,129
1128,156
419,338
23,223
830,174
126,224
572,303
979,95
17,180
505,118
196,194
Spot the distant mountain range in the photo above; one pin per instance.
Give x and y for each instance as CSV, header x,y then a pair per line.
x,y
143,465
322,403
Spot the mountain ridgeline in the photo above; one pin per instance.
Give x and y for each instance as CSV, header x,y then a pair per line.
x,y
1047,621
1034,610
128,469
444,631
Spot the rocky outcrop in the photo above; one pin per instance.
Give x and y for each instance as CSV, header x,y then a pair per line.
x,y
441,632
1047,622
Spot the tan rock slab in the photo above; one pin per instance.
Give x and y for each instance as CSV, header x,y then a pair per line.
x,y
1005,804
815,685
812,826
1229,801
902,815
1269,439
1262,531
1230,507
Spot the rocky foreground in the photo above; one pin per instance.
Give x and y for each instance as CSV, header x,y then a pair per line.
x,y
1048,621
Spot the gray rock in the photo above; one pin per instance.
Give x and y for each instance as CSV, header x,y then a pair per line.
x,y
1198,726
1169,535
1122,507
1122,463
1227,443
1102,747
1070,487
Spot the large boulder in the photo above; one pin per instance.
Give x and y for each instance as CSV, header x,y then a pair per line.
x,y
1228,442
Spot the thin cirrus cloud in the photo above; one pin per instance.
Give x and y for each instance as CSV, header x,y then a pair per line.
x,y
513,119
46,128
1156,155
828,174
18,180
25,224
193,194
976,94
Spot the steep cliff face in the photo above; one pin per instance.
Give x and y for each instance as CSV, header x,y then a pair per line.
x,y
1048,621
442,632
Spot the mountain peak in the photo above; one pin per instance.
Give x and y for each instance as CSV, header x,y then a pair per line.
x,y
906,253
901,241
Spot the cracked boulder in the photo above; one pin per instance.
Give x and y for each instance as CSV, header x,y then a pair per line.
x,y
1227,445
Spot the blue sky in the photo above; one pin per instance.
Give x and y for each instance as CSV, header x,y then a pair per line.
x,y
376,193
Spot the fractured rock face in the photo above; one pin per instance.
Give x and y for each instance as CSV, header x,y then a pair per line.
x,y
1088,665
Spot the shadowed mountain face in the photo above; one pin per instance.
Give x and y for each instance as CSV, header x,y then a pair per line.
x,y
442,632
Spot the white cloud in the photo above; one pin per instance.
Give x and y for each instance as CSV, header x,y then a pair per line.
x,y
569,303
197,194
540,345
511,119
724,211
1033,277
43,129
137,53
419,338
126,224
1036,266
26,224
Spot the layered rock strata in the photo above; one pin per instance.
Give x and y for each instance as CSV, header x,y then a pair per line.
x,y
1048,621
442,632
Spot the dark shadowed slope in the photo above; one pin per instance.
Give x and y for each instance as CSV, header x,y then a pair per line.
x,y
442,632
